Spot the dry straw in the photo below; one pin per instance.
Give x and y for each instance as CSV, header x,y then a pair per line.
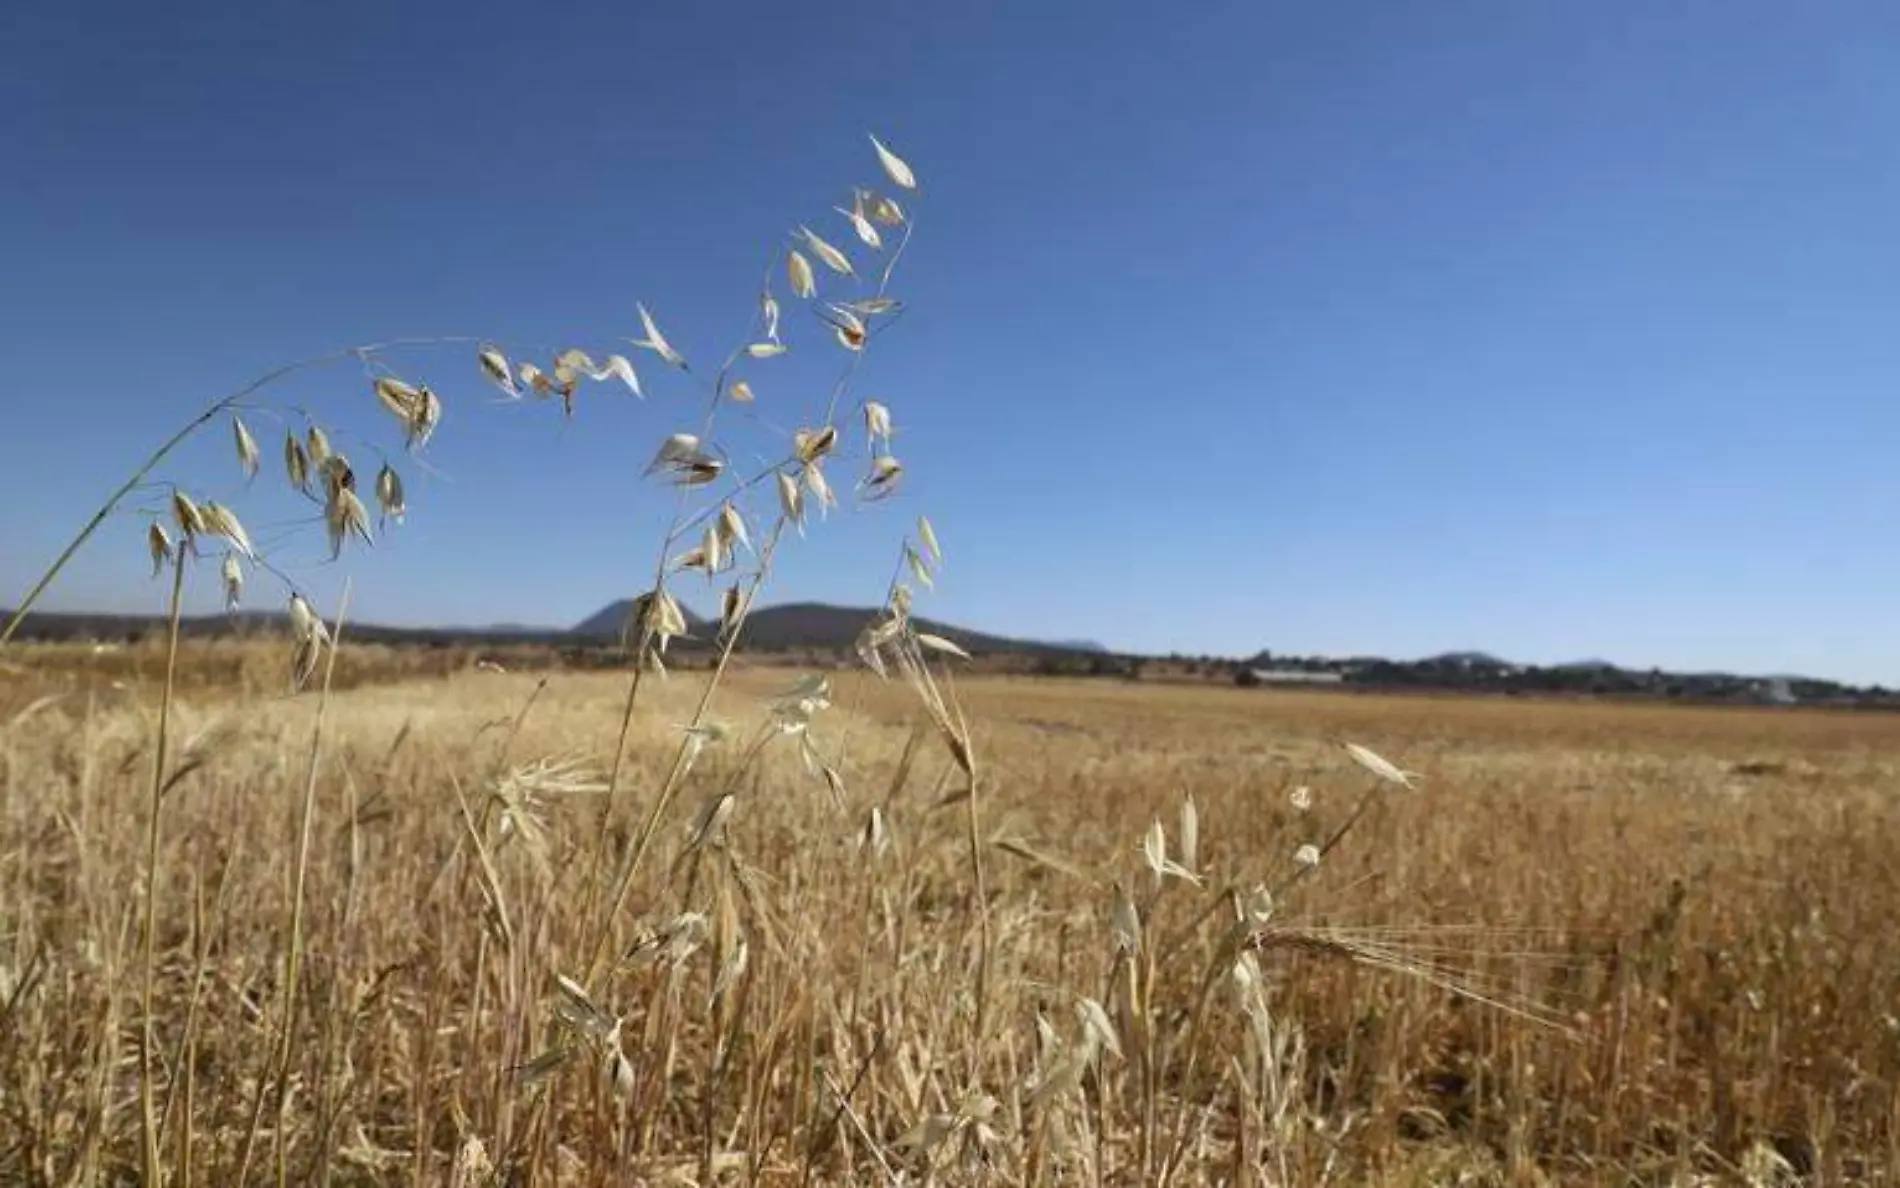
x,y
644,987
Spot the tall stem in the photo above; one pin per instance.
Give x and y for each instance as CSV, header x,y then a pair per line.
x,y
148,1088
294,960
623,884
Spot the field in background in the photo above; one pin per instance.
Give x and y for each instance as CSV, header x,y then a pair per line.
x,y
1685,916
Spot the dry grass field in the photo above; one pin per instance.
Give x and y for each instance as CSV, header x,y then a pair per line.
x,y
1594,944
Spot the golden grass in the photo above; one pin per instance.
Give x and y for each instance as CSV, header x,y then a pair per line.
x,y
1701,902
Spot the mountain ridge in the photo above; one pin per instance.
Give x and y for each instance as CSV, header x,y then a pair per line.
x,y
828,628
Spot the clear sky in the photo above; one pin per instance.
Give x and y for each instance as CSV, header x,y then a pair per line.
x,y
1560,330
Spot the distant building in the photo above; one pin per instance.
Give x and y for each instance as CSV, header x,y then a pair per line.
x,y
1292,676
1776,691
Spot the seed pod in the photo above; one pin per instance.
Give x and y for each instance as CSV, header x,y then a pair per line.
x,y
833,259
810,445
885,472
187,516
791,500
894,165
346,516
494,365
655,341
222,521
819,488
233,575
296,463
159,543
732,527
389,495
804,284
877,424
248,456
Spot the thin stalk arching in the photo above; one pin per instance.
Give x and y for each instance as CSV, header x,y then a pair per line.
x,y
190,429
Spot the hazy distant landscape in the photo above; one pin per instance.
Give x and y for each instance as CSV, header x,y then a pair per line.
x,y
812,632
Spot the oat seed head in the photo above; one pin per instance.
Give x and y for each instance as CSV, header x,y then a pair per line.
x,y
494,365
741,392
220,520
887,211
158,542
233,576
874,839
791,501
296,463
694,558
389,494
617,367
732,605
246,445
768,313
894,166
187,516
937,643
848,328
675,448
656,342
713,545
1380,766
883,479
798,270
832,258
533,380
809,445
877,424
819,488
928,535
1307,856
1097,1030
660,616
418,408
919,569
710,821
345,516
1154,851
310,637
398,397
867,233
732,526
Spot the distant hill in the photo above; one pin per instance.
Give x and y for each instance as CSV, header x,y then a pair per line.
x,y
1079,645
787,627
70,625
812,627
1468,659
824,627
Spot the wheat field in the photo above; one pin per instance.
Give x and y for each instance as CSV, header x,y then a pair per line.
x,y
1591,944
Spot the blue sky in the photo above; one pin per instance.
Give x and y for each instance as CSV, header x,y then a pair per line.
x,y
1558,330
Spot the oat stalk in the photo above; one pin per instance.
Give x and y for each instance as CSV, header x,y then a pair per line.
x,y
148,1040
190,429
